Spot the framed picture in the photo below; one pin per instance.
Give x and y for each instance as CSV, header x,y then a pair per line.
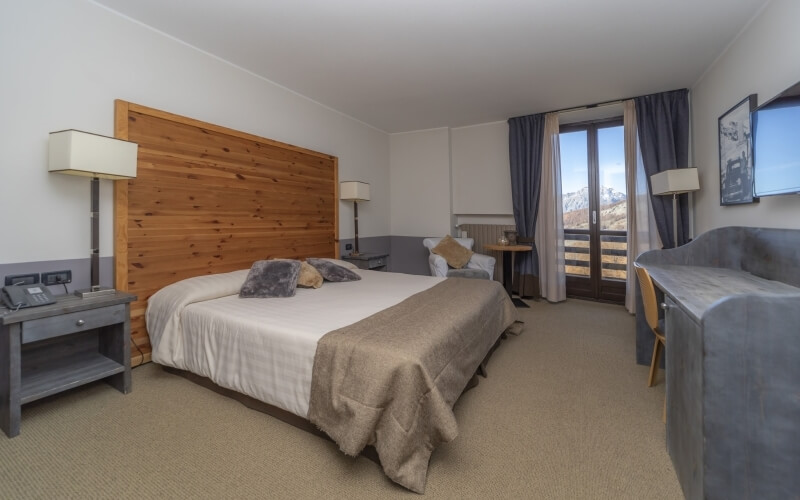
x,y
736,154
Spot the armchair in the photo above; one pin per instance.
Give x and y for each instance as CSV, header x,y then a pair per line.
x,y
477,262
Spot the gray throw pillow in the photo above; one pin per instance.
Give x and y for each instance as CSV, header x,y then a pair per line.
x,y
333,272
271,278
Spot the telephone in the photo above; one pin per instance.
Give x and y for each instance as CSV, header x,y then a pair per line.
x,y
19,296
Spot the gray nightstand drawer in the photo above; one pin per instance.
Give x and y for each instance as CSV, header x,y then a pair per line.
x,y
65,324
370,261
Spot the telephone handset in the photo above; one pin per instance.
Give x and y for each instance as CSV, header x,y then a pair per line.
x,y
20,296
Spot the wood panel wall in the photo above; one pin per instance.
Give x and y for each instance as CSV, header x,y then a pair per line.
x,y
207,199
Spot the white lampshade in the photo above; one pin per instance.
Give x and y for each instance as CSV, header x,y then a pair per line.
x,y
677,180
81,153
354,191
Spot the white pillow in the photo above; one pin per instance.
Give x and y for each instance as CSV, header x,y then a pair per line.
x,y
343,263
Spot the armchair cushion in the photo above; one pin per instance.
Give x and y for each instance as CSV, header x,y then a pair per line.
x,y
481,261
468,273
456,255
438,265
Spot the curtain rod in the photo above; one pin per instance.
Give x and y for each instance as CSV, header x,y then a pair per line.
x,y
588,106
604,103
576,108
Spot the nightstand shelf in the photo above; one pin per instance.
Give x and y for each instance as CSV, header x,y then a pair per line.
x,y
57,375
369,261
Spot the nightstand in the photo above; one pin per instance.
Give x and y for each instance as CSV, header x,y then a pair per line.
x,y
49,349
371,261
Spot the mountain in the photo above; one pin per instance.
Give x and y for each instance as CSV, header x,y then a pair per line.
x,y
580,198
613,209
612,217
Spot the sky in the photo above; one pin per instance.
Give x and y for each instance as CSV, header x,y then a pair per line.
x,y
776,150
574,173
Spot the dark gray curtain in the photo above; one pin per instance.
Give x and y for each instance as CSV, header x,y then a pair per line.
x,y
525,142
663,124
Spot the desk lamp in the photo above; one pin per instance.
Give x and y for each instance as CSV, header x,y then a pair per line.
x,y
674,182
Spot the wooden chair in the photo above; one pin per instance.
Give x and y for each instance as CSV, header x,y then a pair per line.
x,y
651,315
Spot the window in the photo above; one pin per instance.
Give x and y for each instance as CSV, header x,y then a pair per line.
x,y
594,203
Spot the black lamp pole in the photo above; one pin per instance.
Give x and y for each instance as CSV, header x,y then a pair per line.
x,y
95,248
355,219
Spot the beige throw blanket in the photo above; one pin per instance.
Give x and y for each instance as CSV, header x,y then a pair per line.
x,y
391,380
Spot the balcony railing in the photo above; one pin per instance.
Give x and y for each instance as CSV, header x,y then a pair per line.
x,y
613,251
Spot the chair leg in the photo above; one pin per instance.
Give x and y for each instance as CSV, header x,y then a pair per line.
x,y
664,414
654,362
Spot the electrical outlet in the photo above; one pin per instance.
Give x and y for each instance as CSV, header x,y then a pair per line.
x,y
22,279
57,277
348,246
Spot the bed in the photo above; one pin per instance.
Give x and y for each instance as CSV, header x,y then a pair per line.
x,y
209,201
380,361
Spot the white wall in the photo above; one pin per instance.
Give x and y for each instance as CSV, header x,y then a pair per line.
x,y
429,166
420,183
64,62
763,60
481,174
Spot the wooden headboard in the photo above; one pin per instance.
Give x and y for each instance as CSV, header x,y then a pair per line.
x,y
207,199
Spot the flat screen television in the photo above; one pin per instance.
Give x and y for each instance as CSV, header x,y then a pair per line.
x,y
776,144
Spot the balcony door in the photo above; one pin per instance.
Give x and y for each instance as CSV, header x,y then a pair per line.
x,y
594,201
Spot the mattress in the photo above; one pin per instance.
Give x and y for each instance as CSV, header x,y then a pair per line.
x,y
263,347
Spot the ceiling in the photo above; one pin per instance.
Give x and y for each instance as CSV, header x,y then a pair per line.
x,y
419,64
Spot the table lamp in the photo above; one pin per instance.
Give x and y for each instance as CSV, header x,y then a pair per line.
x,y
90,155
354,191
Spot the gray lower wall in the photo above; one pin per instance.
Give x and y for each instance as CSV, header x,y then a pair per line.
x,y
409,256
406,255
80,271
376,244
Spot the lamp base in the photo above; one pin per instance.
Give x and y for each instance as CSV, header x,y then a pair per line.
x,y
95,291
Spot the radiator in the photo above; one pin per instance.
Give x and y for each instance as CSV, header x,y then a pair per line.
x,y
487,234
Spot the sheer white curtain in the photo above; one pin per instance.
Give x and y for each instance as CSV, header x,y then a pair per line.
x,y
642,232
550,227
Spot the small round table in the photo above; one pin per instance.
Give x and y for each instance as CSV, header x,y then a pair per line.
x,y
508,251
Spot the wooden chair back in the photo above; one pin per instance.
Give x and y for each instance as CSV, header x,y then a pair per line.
x,y
648,296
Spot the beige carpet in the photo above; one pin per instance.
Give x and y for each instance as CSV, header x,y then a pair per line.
x,y
565,413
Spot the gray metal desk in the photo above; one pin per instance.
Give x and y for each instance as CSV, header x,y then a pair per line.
x,y
697,288
733,372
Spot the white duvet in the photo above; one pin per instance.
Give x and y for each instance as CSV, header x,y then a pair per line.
x,y
263,347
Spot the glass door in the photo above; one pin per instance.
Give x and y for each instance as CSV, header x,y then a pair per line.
x,y
594,203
